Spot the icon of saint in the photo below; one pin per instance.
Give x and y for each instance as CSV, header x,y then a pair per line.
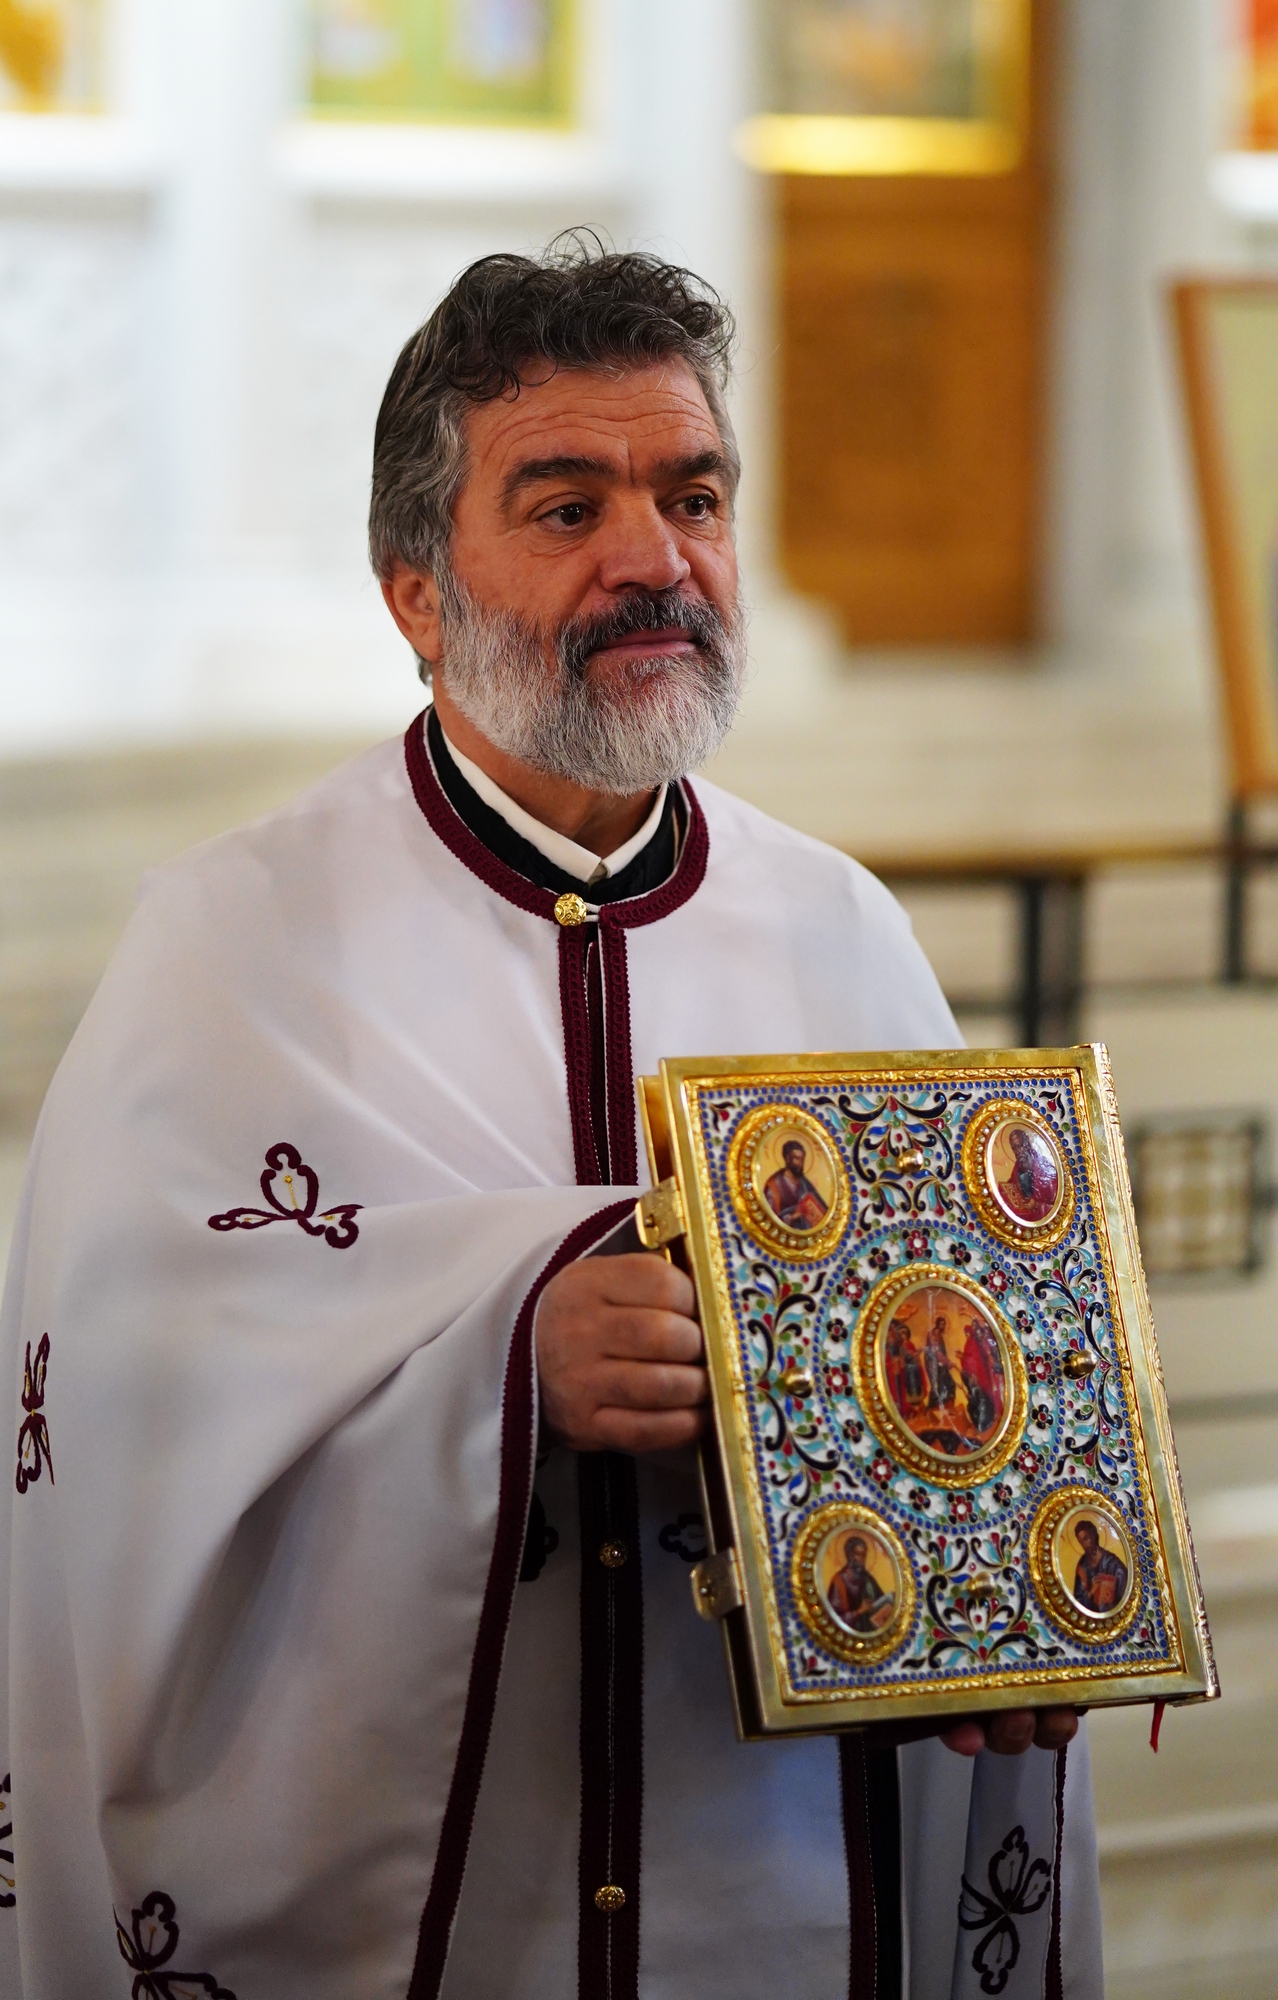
x,y
942,1389
1031,1186
981,1367
907,1381
854,1596
790,1194
1100,1579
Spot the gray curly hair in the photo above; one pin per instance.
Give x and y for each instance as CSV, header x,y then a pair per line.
x,y
578,305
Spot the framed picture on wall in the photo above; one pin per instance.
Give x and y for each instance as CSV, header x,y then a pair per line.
x,y
1228,336
892,87
509,62
51,56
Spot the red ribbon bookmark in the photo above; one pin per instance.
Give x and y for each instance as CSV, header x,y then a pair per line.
x,y
1159,1706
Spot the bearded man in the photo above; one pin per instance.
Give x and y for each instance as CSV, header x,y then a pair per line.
x,y
303,1266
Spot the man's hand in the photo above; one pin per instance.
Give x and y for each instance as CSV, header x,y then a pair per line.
x,y
1012,1730
1009,1731
619,1355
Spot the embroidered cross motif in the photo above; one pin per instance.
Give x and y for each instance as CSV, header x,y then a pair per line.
x,y
148,1945
1018,1888
34,1452
685,1537
7,1896
288,1175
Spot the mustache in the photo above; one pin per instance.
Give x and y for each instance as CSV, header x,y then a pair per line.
x,y
642,611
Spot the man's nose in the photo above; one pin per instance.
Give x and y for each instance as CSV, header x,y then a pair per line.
x,y
638,549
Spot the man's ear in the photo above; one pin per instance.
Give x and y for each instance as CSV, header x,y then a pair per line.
x,y
413,602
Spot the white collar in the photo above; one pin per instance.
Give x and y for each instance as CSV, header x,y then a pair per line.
x,y
575,860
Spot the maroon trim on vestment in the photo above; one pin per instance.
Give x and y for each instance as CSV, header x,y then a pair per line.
x,y
601,1104
611,1725
573,945
684,880
457,836
619,1062
1054,1983
863,1982
514,1494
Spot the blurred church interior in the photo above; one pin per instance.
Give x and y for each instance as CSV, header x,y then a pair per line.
x,y
983,651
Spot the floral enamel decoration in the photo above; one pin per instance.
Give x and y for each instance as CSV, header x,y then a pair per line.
x,y
34,1449
291,1189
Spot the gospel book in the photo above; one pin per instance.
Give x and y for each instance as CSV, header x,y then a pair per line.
x,y
941,1476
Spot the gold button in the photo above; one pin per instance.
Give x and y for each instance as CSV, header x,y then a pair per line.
x,y
613,1554
610,1898
570,909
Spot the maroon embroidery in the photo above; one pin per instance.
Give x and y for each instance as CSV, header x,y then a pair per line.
x,y
573,945
7,1896
1054,1987
620,1069
33,1439
148,1945
285,1168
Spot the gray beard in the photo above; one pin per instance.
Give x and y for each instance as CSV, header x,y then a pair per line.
x,y
666,717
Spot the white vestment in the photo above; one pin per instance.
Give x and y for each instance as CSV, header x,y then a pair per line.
x,y
268,1335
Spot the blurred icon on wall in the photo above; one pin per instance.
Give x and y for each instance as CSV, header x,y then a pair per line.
x,y
1260,76
903,58
50,55
892,86
500,61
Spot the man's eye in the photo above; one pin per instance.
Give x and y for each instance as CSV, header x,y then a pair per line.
x,y
570,515
699,505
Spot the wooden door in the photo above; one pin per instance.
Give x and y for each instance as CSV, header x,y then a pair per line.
x,y
912,367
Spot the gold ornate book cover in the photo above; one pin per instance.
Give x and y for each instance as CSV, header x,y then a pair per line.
x,y
942,1476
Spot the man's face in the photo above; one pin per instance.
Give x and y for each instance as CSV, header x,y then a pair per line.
x,y
588,487
795,1157
1087,1535
854,1555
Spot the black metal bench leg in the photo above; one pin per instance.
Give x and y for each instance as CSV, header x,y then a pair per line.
x,y
1234,968
1051,960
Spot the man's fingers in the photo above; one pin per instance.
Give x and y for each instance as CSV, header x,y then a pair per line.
x,y
966,1737
649,1385
1012,1731
1055,1727
640,1279
650,1335
648,1430
618,1353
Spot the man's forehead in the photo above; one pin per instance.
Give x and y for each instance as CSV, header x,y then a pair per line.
x,y
633,418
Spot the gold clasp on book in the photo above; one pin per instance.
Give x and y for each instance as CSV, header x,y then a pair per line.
x,y
659,1215
716,1584
1077,1366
